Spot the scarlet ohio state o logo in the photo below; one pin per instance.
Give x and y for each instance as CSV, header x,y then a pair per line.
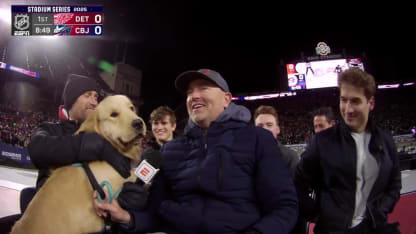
x,y
322,49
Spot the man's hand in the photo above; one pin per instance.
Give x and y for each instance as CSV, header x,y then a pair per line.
x,y
132,196
118,214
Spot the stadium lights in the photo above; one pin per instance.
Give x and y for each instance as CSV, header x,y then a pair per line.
x,y
289,93
388,86
19,70
265,96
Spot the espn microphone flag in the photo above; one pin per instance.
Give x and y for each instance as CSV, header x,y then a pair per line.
x,y
149,167
145,171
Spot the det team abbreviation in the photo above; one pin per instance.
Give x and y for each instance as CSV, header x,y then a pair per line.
x,y
57,20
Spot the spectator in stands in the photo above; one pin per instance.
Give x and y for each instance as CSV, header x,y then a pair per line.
x,y
222,175
266,117
353,166
323,118
394,112
18,125
54,145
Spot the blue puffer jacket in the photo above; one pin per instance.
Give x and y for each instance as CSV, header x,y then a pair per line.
x,y
227,179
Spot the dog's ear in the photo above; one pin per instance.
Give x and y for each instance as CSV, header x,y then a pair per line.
x,y
90,124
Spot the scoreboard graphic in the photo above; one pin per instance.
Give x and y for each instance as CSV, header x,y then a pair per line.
x,y
60,20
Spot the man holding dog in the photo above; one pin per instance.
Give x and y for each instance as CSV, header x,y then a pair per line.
x,y
53,144
223,175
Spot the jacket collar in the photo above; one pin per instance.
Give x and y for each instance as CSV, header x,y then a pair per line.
x,y
371,126
233,116
69,125
376,146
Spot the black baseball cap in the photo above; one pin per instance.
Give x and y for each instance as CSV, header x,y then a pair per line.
x,y
183,80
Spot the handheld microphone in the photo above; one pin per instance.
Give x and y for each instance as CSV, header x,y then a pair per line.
x,y
149,167
133,196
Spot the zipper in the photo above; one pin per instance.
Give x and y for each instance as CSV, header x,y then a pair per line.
x,y
201,229
220,171
372,216
355,159
204,151
204,141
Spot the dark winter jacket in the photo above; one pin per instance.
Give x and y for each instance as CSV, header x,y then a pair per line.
x,y
290,156
329,167
53,145
226,179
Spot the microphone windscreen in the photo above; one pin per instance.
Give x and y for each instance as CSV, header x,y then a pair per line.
x,y
153,157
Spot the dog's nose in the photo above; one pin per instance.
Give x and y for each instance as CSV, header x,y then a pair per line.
x,y
137,124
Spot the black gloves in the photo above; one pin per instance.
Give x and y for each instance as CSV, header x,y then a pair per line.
x,y
94,147
132,196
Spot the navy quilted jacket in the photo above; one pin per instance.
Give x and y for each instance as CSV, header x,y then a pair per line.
x,y
226,179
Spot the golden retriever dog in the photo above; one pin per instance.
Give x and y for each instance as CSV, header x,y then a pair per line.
x,y
64,204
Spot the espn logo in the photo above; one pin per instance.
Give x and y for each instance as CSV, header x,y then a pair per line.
x,y
145,171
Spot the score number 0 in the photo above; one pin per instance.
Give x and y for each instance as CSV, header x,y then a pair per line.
x,y
98,29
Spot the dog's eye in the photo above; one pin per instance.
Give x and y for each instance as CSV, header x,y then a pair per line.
x,y
132,108
114,114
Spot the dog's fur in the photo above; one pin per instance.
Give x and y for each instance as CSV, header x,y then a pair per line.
x,y
64,204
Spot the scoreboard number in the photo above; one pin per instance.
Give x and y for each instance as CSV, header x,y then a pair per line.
x,y
98,30
98,19
57,20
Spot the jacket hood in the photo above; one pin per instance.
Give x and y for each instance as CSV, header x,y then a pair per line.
x,y
234,113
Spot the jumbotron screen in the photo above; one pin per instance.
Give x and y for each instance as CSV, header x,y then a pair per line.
x,y
318,74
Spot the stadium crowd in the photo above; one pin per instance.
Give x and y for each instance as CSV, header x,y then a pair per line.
x,y
16,126
395,111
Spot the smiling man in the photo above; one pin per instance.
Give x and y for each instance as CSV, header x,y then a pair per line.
x,y
222,175
54,145
227,178
353,166
163,121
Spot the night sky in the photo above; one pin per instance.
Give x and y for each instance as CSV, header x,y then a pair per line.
x,y
245,42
